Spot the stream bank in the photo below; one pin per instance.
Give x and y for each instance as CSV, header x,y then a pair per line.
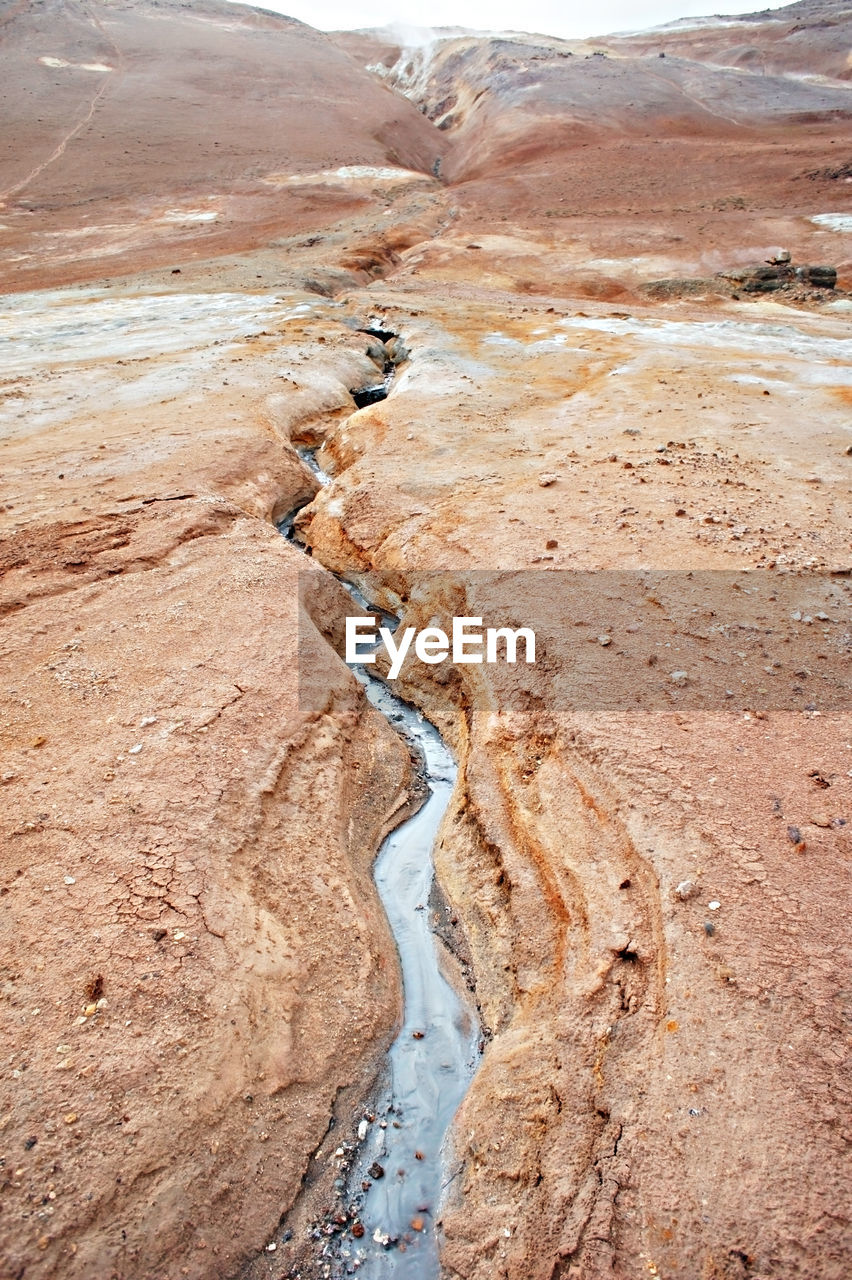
x,y
390,1182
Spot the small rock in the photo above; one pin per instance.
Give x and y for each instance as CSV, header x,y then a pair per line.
x,y
362,1130
417,1035
686,889
714,905
547,478
376,1171
357,1229
679,677
709,928
416,1224
418,1155
820,820
794,835
604,641
551,544
134,751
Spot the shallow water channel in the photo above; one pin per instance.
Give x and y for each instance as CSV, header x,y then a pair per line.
x,y
392,1190
434,1056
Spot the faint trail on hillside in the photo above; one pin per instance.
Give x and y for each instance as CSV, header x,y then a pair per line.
x,y
60,149
720,115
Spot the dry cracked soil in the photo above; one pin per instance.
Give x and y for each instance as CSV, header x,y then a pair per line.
x,y
589,267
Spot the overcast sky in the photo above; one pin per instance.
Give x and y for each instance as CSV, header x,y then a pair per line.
x,y
550,17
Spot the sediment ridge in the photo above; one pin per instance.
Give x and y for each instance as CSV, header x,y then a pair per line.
x,y
200,981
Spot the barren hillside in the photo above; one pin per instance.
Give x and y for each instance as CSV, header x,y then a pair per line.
x,y
460,320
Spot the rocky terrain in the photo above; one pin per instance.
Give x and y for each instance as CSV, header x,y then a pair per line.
x,y
204,207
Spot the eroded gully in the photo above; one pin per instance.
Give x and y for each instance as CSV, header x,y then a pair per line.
x,y
385,1221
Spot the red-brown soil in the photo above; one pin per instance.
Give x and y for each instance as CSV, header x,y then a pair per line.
x,y
200,983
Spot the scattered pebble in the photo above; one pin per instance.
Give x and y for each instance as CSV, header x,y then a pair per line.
x,y
376,1171
714,905
134,751
547,478
604,641
686,889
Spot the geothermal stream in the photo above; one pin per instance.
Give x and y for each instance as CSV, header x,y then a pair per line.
x,y
390,1193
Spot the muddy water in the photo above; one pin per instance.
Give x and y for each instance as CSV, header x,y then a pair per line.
x,y
393,1189
432,1060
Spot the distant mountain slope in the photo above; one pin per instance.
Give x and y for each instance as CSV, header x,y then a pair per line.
x,y
813,37
170,109
695,128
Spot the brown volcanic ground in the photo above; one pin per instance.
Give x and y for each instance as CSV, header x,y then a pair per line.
x,y
175,128
199,979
